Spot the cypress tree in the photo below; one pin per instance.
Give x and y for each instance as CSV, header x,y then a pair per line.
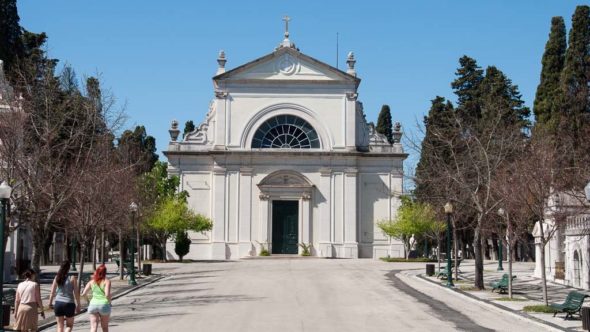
x,y
546,104
438,123
467,88
576,77
189,126
384,123
10,33
499,95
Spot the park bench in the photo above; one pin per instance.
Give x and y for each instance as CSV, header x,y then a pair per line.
x,y
572,305
8,297
442,273
502,285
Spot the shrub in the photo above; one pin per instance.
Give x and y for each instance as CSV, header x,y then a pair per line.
x,y
263,250
306,249
182,244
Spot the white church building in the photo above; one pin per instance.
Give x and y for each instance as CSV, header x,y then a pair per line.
x,y
284,158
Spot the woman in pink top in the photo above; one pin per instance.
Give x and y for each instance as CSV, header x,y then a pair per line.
x,y
27,303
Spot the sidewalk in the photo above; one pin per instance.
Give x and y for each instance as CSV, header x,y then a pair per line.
x,y
527,290
118,288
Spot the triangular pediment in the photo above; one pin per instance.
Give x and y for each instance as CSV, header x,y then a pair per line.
x,y
287,64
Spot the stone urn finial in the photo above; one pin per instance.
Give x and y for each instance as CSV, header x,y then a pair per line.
x,y
397,132
351,61
174,132
221,60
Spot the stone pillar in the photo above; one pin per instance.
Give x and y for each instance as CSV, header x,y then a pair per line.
x,y
220,119
218,250
263,216
350,121
350,217
305,219
325,206
245,212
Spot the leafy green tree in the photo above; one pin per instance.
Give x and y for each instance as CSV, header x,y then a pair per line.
x,y
546,106
385,124
189,126
172,216
182,244
413,219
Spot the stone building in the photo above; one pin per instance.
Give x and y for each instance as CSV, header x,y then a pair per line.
x,y
285,157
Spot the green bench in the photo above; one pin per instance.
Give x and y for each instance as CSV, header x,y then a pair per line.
x,y
502,285
572,305
8,297
442,273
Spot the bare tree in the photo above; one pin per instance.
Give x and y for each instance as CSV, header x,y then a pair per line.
x,y
467,158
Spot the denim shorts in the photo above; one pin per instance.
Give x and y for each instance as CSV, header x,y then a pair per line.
x,y
101,309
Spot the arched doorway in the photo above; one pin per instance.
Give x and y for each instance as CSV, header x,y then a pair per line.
x,y
285,213
577,269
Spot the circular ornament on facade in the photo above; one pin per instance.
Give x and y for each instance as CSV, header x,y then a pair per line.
x,y
287,65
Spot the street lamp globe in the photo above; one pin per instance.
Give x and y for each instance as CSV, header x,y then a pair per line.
x,y
448,208
133,207
5,190
501,212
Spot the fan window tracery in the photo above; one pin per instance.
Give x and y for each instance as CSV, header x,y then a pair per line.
x,y
285,132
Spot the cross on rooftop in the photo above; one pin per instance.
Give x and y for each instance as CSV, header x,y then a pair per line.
x,y
286,19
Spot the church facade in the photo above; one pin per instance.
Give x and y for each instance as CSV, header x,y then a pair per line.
x,y
285,159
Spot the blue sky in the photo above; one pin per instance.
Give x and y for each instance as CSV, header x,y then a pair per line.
x,y
158,57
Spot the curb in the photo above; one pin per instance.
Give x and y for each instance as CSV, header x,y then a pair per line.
x,y
114,297
516,314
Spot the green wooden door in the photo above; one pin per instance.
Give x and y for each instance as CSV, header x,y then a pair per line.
x,y
284,227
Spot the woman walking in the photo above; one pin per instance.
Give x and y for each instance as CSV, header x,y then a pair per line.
x,y
67,298
27,303
99,308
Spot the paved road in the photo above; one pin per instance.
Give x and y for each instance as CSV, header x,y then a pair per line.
x,y
299,295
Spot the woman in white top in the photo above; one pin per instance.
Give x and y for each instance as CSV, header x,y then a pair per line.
x,y
28,303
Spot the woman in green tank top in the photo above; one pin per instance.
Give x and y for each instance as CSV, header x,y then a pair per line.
x,y
99,307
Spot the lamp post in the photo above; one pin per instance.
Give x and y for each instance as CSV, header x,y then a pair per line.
x,y
500,255
133,209
5,191
448,212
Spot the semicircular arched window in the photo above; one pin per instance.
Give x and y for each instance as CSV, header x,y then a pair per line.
x,y
285,132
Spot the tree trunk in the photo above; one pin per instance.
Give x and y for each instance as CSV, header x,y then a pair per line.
x,y
94,252
164,251
121,255
102,260
81,265
542,258
478,259
37,252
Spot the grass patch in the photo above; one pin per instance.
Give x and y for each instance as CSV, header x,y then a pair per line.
x,y
409,260
539,308
468,288
507,299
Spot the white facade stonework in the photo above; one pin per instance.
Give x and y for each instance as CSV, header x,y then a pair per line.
x,y
286,131
569,244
